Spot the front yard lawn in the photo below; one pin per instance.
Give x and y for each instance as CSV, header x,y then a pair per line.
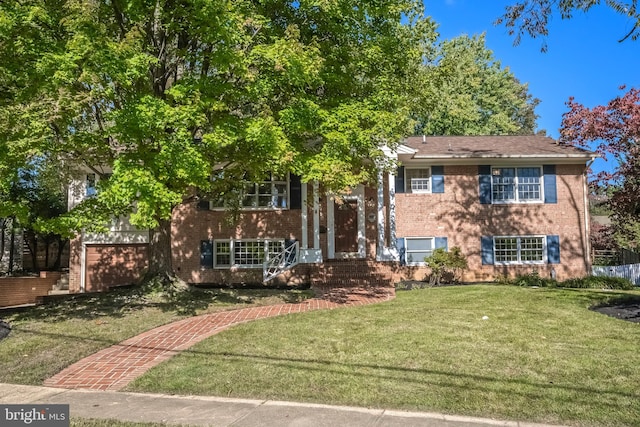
x,y
46,339
540,356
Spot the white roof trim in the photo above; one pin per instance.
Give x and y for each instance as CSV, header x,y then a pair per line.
x,y
503,156
403,149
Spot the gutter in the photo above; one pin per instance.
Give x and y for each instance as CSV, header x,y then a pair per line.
x,y
503,156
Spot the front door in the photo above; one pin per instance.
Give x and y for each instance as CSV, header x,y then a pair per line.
x,y
346,228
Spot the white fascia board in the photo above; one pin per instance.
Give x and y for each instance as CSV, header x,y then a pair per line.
x,y
466,160
403,149
400,150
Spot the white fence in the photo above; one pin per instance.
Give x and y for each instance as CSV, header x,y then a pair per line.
x,y
628,271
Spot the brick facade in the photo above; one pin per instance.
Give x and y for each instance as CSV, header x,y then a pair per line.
x,y
458,215
75,267
452,210
191,225
26,290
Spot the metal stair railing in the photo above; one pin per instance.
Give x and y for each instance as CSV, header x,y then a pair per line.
x,y
280,263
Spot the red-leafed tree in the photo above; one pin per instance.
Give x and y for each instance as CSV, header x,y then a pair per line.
x,y
602,237
614,131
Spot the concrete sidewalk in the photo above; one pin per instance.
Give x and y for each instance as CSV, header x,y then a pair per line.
x,y
221,412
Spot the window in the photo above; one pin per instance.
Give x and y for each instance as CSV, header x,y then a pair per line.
x,y
90,185
245,253
222,253
520,250
418,180
516,184
272,193
417,248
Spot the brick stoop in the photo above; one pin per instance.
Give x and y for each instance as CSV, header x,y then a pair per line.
x,y
352,273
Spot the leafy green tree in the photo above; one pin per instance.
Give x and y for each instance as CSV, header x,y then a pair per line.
x,y
166,91
531,17
466,91
35,195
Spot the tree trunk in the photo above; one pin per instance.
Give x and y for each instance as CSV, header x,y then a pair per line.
x,y
3,223
47,243
12,243
61,244
160,249
32,244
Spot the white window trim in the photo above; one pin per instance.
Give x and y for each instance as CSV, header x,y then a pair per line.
x,y
517,200
233,264
407,181
215,254
407,251
519,250
286,182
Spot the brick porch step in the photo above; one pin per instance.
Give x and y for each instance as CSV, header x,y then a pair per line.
x,y
352,273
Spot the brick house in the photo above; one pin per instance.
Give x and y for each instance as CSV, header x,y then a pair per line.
x,y
513,204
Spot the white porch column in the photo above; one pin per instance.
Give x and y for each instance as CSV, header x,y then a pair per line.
x,y
381,216
392,215
304,218
314,254
316,218
387,253
331,222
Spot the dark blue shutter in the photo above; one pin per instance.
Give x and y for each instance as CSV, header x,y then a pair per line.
x,y
441,243
206,254
484,175
400,179
553,249
550,192
487,250
203,204
295,192
437,179
401,250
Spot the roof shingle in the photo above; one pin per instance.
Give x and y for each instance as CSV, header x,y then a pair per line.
x,y
491,146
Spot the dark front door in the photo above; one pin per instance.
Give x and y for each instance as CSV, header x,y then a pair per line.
x,y
346,227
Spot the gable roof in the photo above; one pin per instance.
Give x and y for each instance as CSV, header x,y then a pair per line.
x,y
490,146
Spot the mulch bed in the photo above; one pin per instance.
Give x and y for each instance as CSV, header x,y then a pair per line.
x,y
627,310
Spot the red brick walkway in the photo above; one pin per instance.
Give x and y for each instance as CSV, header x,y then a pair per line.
x,y
116,366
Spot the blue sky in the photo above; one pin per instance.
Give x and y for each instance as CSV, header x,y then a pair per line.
x,y
583,60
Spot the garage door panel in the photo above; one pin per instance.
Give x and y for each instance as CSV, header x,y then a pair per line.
x,y
112,265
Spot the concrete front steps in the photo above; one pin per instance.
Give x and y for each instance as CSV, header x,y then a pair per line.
x,y
61,287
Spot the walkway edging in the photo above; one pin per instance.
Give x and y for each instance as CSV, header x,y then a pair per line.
x,y
222,411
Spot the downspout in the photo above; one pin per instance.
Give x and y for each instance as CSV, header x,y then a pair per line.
x,y
83,266
587,217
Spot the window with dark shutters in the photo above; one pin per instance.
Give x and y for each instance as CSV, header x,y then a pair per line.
x,y
520,249
206,254
529,184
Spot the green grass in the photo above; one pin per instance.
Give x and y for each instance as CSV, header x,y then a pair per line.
x,y
46,339
541,356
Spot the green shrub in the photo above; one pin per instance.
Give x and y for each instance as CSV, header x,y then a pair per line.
x,y
588,282
599,282
533,279
446,267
